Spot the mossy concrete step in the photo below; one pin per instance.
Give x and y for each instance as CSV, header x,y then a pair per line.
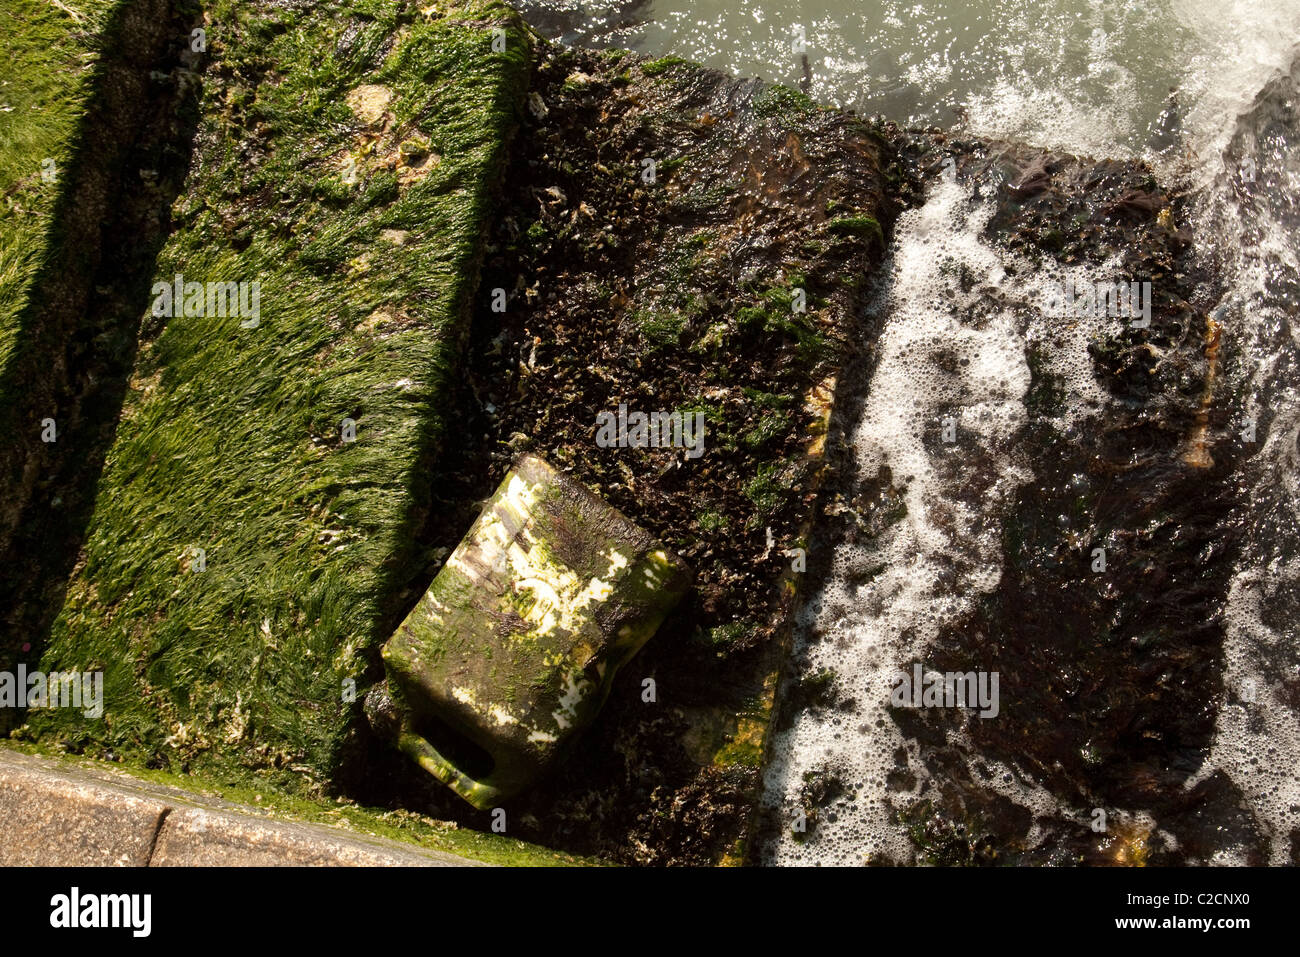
x,y
516,644
77,815
254,527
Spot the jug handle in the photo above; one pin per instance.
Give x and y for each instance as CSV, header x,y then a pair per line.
x,y
482,795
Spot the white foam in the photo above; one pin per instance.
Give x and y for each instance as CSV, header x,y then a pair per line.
x,y
1257,734
1239,46
943,352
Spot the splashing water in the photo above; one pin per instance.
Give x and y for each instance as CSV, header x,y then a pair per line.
x,y
884,603
1174,82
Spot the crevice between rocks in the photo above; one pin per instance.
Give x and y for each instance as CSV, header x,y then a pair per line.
x,y
157,831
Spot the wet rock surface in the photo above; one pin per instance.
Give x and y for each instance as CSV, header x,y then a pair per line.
x,y
582,23
1110,676
671,293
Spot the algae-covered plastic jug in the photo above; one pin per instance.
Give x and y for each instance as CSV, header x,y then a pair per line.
x,y
514,647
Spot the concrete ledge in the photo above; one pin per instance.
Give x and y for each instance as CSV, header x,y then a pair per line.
x,y
201,837
53,819
58,814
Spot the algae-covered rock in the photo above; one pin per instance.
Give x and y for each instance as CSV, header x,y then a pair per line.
x,y
514,647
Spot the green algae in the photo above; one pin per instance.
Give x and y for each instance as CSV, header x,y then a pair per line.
x,y
661,65
767,489
865,227
784,103
230,439
46,65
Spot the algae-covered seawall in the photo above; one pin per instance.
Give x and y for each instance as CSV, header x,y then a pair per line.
x,y
85,119
253,521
